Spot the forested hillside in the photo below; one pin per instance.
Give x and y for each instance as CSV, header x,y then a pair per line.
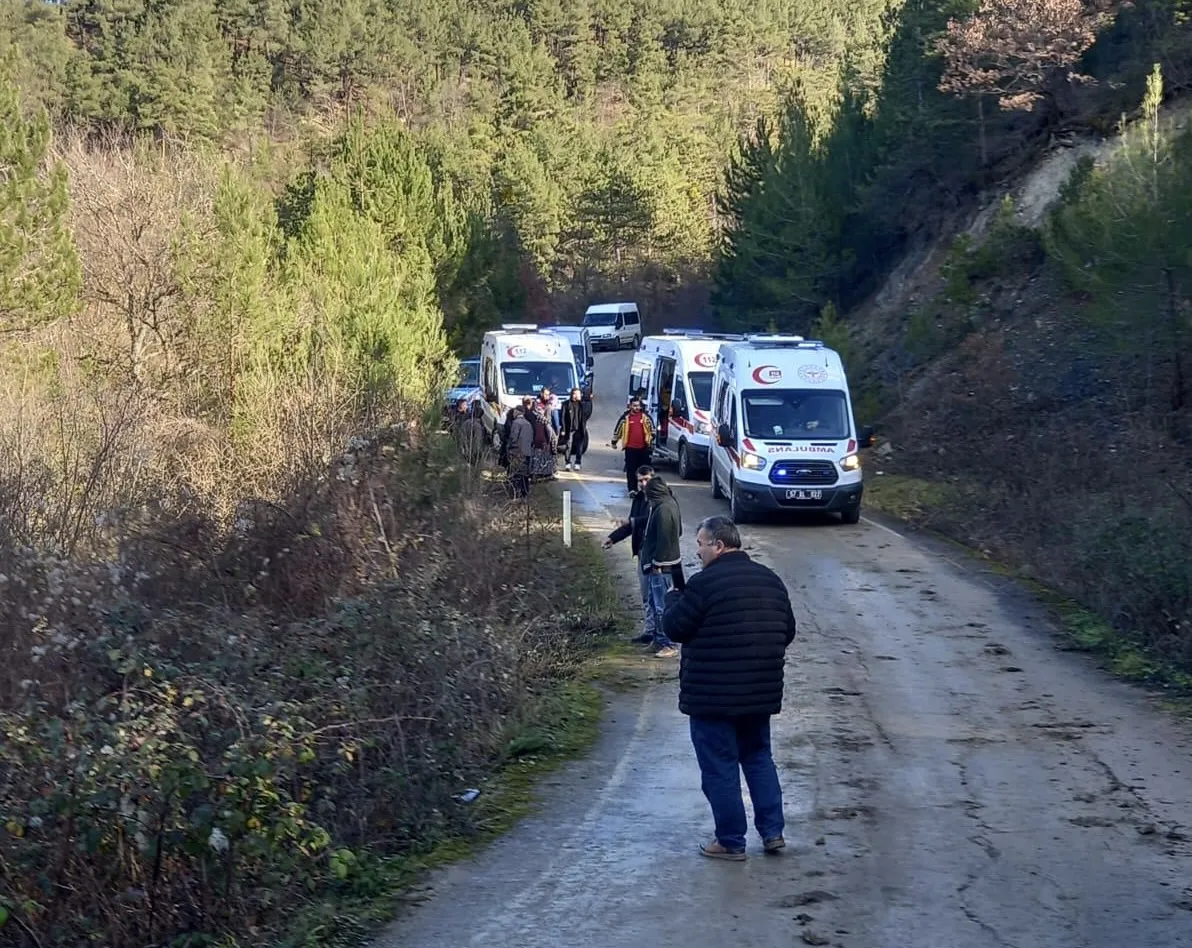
x,y
261,624
1028,363
579,145
242,243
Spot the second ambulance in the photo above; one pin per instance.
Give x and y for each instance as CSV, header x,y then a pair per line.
x,y
785,434
672,374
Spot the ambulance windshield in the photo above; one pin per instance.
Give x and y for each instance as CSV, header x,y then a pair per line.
x,y
529,378
795,415
701,389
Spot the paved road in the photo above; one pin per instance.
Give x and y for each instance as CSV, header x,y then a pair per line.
x,y
953,780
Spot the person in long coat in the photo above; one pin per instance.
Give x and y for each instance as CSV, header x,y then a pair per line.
x,y
576,413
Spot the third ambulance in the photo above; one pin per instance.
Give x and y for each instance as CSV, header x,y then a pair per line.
x,y
785,434
672,374
520,360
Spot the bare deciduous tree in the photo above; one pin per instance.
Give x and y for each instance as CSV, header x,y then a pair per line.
x,y
1011,49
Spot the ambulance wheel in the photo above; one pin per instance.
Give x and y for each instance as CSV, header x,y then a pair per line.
x,y
685,470
717,493
851,515
736,510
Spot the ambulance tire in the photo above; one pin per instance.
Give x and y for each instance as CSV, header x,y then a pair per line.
x,y
739,514
717,493
686,471
851,515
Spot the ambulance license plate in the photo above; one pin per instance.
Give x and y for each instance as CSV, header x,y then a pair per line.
x,y
799,494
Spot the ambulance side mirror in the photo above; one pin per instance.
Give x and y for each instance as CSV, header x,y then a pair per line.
x,y
724,435
865,437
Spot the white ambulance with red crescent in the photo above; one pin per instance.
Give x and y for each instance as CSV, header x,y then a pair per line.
x,y
672,374
785,437
520,359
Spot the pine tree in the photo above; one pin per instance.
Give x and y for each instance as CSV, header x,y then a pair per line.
x,y
40,275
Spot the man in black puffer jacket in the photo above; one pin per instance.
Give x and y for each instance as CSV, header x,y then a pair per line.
x,y
734,621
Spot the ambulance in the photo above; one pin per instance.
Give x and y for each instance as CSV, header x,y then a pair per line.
x,y
672,374
585,355
519,360
785,437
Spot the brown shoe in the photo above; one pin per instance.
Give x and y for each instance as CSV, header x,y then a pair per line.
x,y
714,850
775,844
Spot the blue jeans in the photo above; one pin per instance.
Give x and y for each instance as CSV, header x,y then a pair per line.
x,y
657,585
647,610
726,747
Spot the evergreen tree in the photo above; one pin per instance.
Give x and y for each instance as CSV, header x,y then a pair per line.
x,y
40,276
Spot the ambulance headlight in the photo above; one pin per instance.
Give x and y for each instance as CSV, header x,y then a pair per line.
x,y
851,463
753,462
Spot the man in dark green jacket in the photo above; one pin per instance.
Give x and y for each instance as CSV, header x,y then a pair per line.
x,y
633,527
660,556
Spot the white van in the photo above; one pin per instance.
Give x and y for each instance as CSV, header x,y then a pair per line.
x,y
672,374
614,325
585,357
785,434
519,360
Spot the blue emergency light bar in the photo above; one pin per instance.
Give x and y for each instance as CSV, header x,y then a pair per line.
x,y
520,327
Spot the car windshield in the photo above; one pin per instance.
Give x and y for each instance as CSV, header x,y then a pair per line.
x,y
469,374
529,378
600,319
701,389
795,415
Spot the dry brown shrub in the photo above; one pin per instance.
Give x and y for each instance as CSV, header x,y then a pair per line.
x,y
217,719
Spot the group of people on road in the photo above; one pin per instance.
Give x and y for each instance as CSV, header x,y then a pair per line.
x,y
730,623
536,432
533,435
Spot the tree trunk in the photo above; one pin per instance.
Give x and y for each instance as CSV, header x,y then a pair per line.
x,y
981,130
1177,338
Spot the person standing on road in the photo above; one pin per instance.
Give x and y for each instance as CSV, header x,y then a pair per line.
x,y
734,621
576,413
660,556
634,527
636,432
527,404
548,403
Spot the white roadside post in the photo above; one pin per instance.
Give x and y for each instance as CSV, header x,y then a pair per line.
x,y
567,519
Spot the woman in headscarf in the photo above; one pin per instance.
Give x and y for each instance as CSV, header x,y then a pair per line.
x,y
544,461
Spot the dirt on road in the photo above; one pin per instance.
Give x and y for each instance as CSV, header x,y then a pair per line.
x,y
953,778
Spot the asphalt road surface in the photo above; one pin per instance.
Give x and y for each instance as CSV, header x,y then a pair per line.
x,y
953,778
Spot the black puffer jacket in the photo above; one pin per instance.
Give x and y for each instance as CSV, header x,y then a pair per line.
x,y
734,621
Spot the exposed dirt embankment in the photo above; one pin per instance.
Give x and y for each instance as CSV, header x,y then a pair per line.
x,y
1021,418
